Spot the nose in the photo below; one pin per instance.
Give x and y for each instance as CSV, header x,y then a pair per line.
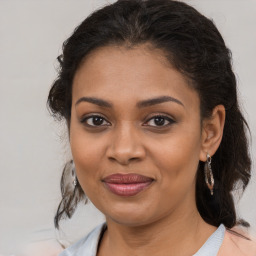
x,y
125,145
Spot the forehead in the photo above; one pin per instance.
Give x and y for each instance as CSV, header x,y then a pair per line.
x,y
117,73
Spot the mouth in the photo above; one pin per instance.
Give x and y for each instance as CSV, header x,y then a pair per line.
x,y
127,184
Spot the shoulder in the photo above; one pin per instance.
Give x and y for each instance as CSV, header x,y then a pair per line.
x,y
236,242
87,245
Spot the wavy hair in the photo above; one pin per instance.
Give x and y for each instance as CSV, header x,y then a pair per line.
x,y
193,45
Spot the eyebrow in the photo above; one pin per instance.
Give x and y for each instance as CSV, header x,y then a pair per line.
x,y
157,100
96,101
140,104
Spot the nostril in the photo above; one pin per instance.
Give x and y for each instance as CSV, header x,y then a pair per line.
x,y
134,158
123,160
111,158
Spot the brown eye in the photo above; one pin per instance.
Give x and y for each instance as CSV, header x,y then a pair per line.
x,y
94,120
160,120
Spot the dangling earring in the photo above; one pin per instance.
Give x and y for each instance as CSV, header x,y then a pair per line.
x,y
73,172
208,173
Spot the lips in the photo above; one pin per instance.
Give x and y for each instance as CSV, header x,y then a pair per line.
x,y
127,184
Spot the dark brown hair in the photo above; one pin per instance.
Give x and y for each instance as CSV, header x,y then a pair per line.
x,y
194,46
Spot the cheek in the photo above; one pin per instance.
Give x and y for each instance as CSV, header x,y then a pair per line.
x,y
177,157
87,152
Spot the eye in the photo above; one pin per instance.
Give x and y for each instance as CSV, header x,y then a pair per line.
x,y
160,121
94,121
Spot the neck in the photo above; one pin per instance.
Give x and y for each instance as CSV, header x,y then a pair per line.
x,y
181,233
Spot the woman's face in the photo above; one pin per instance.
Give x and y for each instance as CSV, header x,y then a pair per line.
x,y
135,135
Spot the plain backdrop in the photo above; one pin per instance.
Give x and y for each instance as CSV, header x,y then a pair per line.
x,y
33,148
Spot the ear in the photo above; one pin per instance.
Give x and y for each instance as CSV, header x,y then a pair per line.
x,y
212,131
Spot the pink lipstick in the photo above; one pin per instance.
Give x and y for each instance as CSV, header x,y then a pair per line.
x,y
127,184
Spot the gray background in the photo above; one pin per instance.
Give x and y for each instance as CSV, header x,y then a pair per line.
x,y
33,147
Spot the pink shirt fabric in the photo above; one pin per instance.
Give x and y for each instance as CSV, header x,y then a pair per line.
x,y
235,245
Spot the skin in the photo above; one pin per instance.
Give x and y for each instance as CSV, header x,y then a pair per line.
x,y
163,218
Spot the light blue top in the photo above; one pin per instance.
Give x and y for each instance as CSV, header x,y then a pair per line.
x,y
89,244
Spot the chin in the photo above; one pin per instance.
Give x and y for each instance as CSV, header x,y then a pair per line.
x,y
129,221
130,215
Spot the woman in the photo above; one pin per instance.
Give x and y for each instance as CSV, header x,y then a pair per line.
x,y
157,137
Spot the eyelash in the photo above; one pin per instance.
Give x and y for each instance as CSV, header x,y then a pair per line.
x,y
166,118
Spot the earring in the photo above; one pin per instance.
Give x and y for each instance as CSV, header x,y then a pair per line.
x,y
208,173
73,173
